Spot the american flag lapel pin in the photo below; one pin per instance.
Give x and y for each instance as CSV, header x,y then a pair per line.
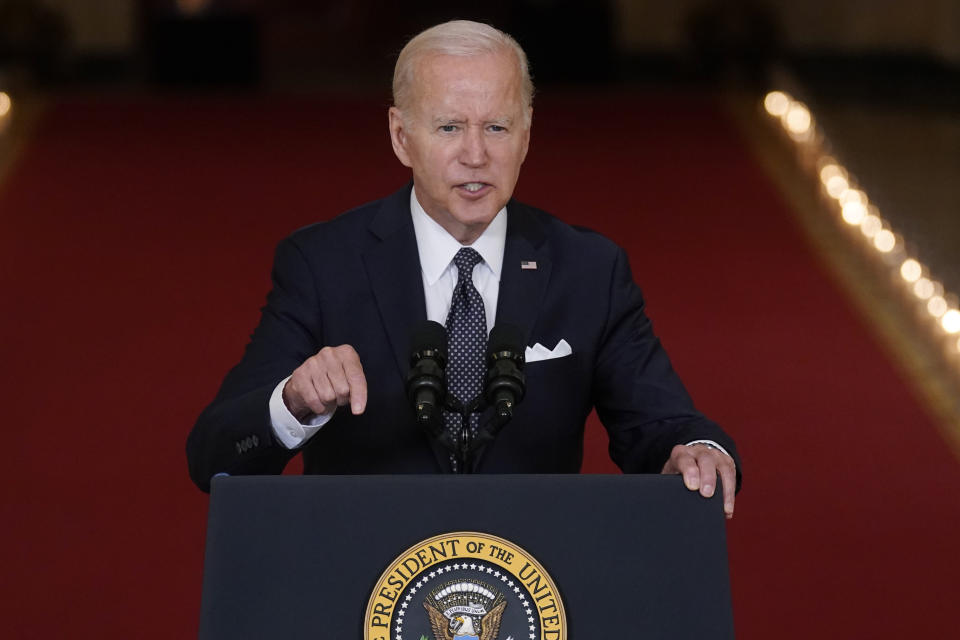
x,y
528,264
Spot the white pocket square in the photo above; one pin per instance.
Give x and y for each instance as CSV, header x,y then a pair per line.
x,y
539,352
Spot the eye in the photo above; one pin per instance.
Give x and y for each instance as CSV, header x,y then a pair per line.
x,y
448,128
496,128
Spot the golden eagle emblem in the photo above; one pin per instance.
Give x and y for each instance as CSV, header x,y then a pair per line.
x,y
465,610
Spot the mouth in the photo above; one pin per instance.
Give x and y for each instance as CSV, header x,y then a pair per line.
x,y
474,190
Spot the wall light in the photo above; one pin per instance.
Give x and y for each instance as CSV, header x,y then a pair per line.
x,y
853,207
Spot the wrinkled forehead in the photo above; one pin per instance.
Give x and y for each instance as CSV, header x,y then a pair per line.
x,y
484,77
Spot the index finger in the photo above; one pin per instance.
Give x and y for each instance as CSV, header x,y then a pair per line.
x,y
687,467
357,382
728,478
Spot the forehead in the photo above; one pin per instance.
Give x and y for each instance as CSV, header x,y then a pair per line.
x,y
468,82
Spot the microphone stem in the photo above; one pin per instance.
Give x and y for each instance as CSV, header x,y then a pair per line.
x,y
465,440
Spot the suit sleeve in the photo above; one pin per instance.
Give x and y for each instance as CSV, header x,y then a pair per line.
x,y
639,397
234,434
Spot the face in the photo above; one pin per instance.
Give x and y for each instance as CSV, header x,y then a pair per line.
x,y
464,135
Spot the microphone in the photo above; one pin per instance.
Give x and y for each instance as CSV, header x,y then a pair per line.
x,y
505,380
426,386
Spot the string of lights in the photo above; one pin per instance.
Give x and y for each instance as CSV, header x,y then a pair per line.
x,y
6,107
854,208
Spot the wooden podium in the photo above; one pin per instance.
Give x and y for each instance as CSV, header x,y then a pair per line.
x,y
371,557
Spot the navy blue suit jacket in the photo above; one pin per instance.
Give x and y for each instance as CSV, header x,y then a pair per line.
x,y
356,280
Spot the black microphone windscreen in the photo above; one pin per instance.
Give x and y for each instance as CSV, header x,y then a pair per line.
x,y
505,337
430,336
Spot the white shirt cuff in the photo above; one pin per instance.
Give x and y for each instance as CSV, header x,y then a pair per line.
x,y
712,445
290,431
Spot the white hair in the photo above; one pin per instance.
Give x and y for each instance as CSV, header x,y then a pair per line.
x,y
457,38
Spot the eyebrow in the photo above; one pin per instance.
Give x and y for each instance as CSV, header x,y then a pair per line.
x,y
440,120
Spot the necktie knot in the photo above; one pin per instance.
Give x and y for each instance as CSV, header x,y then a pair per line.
x,y
466,259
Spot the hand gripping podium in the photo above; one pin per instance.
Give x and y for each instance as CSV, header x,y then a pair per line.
x,y
475,557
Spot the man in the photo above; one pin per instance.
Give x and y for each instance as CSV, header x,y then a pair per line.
x,y
324,371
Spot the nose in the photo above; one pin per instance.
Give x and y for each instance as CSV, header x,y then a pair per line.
x,y
473,153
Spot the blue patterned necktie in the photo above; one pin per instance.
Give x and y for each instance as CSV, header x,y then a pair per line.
x,y
467,344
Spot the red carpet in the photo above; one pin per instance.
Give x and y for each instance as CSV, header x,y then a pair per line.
x,y
135,243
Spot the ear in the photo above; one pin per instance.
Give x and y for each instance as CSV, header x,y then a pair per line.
x,y
398,136
526,135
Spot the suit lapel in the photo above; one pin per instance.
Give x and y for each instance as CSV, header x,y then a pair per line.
x,y
393,268
522,289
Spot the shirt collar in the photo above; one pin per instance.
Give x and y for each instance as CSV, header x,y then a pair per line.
x,y
437,247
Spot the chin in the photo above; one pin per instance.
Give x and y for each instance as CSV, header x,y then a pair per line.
x,y
475,217
480,211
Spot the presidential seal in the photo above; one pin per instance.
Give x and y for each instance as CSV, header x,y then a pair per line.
x,y
465,586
